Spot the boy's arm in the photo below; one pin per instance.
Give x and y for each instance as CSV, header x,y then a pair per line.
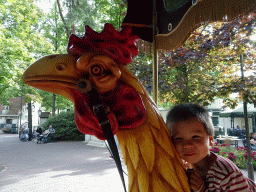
x,y
252,185
238,182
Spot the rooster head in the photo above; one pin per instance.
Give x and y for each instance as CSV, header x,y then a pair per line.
x,y
93,61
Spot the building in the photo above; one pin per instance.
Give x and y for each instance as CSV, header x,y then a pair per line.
x,y
233,118
16,114
43,117
215,109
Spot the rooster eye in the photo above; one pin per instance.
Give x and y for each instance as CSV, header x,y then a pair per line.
x,y
96,70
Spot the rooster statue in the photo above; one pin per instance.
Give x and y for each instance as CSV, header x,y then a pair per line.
x,y
98,60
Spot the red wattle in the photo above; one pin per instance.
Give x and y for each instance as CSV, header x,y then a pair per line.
x,y
126,110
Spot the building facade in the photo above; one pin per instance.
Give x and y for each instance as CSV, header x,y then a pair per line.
x,y
16,114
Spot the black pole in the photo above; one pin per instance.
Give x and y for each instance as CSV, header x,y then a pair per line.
x,y
250,165
30,120
56,49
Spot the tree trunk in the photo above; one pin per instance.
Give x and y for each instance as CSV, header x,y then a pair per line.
x,y
61,15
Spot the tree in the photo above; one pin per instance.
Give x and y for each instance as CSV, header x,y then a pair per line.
x,y
207,66
20,45
61,102
79,14
110,11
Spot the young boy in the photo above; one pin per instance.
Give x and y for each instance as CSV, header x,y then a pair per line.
x,y
192,134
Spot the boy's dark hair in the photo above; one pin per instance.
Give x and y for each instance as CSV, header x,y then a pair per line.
x,y
187,111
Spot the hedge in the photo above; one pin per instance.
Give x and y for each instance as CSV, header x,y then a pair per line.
x,y
65,127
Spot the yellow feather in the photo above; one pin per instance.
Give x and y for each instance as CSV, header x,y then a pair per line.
x,y
169,170
143,177
158,184
151,115
147,146
131,146
163,139
132,174
135,187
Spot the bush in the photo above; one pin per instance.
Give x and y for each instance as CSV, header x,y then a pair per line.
x,y
238,156
65,127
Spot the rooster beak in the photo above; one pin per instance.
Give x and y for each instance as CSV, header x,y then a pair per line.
x,y
53,73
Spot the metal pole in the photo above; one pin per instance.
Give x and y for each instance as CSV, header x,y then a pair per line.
x,y
30,119
250,165
155,56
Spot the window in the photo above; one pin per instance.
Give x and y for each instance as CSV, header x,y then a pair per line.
x,y
215,121
8,121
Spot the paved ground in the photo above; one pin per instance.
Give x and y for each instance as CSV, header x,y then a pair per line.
x,y
57,166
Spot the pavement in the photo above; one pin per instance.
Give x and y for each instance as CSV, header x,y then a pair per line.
x,y
56,167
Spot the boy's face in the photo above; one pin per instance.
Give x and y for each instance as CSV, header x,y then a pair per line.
x,y
191,140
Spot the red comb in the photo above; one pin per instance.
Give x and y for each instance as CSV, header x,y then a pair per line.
x,y
119,46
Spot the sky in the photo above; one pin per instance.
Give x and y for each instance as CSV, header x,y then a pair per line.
x,y
44,5
253,37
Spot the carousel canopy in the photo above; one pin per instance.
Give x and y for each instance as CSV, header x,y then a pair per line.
x,y
175,20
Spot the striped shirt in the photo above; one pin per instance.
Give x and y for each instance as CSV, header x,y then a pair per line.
x,y
224,175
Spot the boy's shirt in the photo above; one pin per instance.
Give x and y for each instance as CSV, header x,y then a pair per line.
x,y
224,175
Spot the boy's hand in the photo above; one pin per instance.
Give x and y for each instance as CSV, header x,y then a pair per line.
x,y
195,181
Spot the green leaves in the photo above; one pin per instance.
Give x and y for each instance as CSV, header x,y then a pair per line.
x,y
61,102
20,44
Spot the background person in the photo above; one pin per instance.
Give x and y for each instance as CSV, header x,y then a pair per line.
x,y
253,138
51,132
39,130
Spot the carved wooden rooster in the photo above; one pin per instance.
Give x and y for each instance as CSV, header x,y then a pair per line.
x,y
98,60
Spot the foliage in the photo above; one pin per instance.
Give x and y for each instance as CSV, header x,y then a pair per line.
x,y
65,126
207,65
142,69
52,29
20,45
61,102
238,156
110,11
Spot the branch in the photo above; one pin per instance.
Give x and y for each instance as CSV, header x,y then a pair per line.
x,y
73,25
61,15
